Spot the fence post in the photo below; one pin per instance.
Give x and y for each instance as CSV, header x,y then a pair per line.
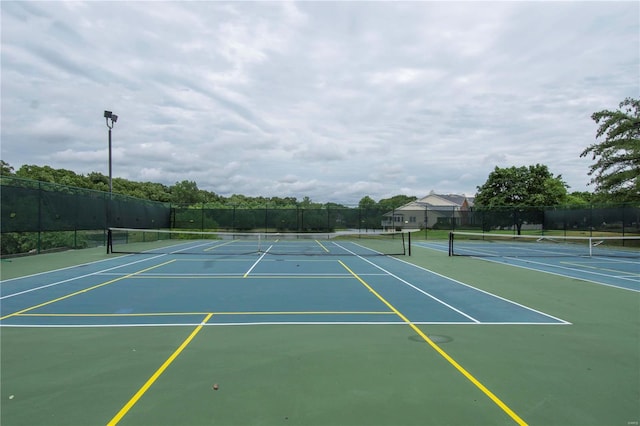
x,y
328,219
39,216
233,220
202,216
426,221
453,218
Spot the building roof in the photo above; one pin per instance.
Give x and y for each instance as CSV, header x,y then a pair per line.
x,y
438,201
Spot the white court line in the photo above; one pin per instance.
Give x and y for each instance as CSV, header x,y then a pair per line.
x,y
56,270
266,275
474,288
552,265
416,288
240,324
105,271
91,274
256,262
74,278
559,274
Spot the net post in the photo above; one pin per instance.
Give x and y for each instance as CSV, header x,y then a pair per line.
x,y
109,242
409,242
450,243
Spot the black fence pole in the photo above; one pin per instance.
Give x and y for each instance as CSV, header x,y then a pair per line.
x,y
39,216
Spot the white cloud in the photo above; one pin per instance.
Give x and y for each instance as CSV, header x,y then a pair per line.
x,y
331,100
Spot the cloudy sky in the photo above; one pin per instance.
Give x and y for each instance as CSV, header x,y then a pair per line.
x,y
331,100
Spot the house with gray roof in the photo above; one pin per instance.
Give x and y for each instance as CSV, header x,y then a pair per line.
x,y
434,211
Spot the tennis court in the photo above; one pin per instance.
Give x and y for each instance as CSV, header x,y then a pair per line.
x,y
613,261
335,331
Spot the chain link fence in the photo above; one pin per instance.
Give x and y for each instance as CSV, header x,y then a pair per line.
x,y
610,219
41,216
273,219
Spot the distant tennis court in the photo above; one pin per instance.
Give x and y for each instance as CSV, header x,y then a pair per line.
x,y
322,329
510,245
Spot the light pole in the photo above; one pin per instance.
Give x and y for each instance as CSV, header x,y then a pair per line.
x,y
108,115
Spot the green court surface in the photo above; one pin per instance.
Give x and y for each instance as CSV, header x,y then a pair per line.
x,y
141,340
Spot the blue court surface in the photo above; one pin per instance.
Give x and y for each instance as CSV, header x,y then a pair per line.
x,y
489,339
178,289
616,270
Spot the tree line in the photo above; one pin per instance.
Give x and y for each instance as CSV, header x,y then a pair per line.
x,y
615,174
184,192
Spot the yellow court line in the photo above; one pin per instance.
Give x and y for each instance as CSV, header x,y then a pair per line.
x,y
154,314
219,245
124,410
244,260
166,314
308,313
225,277
84,291
446,356
323,247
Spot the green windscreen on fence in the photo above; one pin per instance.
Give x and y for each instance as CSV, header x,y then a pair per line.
x,y
32,206
40,216
200,217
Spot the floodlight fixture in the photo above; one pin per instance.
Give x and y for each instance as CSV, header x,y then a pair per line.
x,y
108,115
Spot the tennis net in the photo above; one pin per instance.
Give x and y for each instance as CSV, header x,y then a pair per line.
x,y
125,240
509,245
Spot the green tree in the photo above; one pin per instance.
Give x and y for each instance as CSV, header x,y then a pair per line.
x,y
370,213
208,196
617,168
522,190
580,198
185,192
98,181
309,204
42,174
331,205
367,203
396,201
521,186
5,168
51,175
